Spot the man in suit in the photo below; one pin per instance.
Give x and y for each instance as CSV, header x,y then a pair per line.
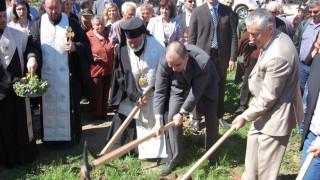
x,y
191,76
213,28
312,122
185,16
277,104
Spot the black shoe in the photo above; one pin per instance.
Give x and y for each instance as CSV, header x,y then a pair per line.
x,y
240,110
170,167
195,125
223,124
294,136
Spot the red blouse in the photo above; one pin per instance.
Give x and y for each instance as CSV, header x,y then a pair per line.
x,y
105,51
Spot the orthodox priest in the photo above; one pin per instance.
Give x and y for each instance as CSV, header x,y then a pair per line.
x,y
17,142
64,51
135,69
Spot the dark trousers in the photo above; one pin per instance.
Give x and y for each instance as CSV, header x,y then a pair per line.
x,y
99,92
245,93
174,135
221,68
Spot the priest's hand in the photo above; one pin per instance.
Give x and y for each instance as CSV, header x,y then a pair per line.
x,y
239,122
69,46
32,65
178,119
157,127
231,65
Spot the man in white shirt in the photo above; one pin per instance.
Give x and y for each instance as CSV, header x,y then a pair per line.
x,y
185,17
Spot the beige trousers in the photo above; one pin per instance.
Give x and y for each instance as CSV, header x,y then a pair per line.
x,y
264,155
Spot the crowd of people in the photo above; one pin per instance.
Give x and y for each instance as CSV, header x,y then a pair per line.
x,y
110,54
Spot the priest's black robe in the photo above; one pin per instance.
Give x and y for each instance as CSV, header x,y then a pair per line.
x,y
79,62
15,148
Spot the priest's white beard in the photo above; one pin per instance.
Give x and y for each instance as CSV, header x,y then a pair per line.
x,y
137,48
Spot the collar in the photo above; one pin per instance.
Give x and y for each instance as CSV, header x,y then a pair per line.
x,y
188,13
211,6
266,45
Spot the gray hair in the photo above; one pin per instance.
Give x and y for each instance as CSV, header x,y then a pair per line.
x,y
262,17
147,6
125,5
313,3
95,18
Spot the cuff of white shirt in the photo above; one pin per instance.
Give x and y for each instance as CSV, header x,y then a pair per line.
x,y
246,118
158,116
183,111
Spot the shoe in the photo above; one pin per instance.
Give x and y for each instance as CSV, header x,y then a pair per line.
x,y
170,167
223,124
294,136
195,125
240,110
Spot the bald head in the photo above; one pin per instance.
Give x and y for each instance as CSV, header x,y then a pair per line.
x,y
177,56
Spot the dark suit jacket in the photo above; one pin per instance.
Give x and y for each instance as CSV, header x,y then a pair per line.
x,y
201,31
182,19
312,98
200,78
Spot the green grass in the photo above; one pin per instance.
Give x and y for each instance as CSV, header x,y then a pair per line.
x,y
65,163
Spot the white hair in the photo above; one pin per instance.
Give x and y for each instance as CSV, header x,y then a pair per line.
x,y
273,4
125,5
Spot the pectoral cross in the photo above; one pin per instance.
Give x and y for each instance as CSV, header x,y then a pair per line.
x,y
69,35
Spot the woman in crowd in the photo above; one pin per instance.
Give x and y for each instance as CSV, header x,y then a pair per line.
x,y
66,7
21,18
100,68
111,15
165,28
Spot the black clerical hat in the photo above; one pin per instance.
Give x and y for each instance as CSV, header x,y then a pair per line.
x,y
133,27
3,5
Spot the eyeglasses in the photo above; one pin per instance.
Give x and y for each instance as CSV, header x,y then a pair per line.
x,y
191,2
274,12
314,12
20,3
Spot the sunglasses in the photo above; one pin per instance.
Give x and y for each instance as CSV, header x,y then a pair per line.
x,y
191,2
314,12
20,3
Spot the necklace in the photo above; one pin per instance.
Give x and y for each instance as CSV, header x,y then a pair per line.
x,y
142,80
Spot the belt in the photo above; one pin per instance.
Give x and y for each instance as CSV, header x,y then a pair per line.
x,y
303,62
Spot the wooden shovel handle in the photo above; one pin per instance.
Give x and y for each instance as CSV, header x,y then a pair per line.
x,y
125,124
124,149
208,153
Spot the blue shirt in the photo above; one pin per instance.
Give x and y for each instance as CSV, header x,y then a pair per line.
x,y
309,36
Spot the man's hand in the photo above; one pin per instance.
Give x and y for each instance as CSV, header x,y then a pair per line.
x,y
231,65
141,102
32,65
239,122
315,147
69,46
157,127
178,119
